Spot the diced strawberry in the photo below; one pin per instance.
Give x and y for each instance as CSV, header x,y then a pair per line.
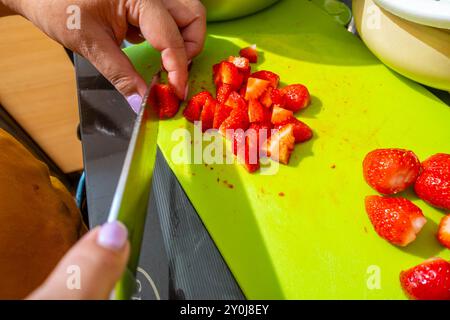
x,y
250,53
302,132
164,100
263,132
241,63
296,97
429,280
255,88
207,116
256,112
227,73
194,107
273,78
281,144
396,220
444,231
245,147
433,184
223,92
222,112
280,115
390,171
266,98
277,98
238,119
236,101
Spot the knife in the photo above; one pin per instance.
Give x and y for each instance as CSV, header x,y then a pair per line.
x,y
130,201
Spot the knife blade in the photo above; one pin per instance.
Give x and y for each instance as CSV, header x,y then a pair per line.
x,y
130,201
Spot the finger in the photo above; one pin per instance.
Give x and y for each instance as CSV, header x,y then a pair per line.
x,y
161,31
91,268
190,16
112,62
134,35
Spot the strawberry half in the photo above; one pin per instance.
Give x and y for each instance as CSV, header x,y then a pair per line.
x,y
255,88
296,97
226,73
280,116
223,92
222,112
396,220
194,107
245,148
236,101
429,280
433,184
207,116
250,53
280,145
302,132
390,171
273,78
238,119
165,101
444,231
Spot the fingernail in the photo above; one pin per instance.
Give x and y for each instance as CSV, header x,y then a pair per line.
x,y
186,92
113,235
135,102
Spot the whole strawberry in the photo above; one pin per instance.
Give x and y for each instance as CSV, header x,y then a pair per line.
x,y
390,171
429,280
433,184
396,220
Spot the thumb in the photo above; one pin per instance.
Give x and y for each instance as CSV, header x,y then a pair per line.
x,y
91,268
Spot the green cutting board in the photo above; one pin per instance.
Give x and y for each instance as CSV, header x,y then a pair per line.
x,y
316,241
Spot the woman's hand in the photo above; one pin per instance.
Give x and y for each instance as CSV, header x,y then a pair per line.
x,y
174,27
91,268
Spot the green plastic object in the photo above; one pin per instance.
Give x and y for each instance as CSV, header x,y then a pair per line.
x,y
222,10
303,233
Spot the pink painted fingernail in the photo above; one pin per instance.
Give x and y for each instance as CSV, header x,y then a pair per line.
x,y
113,235
135,102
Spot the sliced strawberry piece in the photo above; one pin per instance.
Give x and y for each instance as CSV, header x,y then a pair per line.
x,y
236,101
256,112
222,112
444,231
296,97
164,100
433,184
396,220
302,132
281,144
277,98
207,116
273,78
255,88
280,115
266,98
429,280
227,73
223,92
241,63
238,119
390,171
250,53
194,107
263,132
245,147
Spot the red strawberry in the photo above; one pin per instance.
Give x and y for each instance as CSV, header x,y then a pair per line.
x,y
256,112
444,231
250,53
263,132
222,112
390,171
281,144
280,115
255,88
245,147
238,119
273,78
165,101
266,98
242,64
226,73
223,92
207,116
429,280
296,97
302,132
194,107
277,98
396,220
236,101
433,184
